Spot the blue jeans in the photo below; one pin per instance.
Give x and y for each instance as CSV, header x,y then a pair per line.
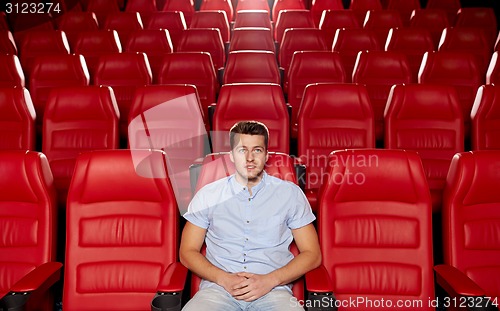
x,y
217,299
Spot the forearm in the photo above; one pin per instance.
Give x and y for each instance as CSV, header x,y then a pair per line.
x,y
198,264
297,267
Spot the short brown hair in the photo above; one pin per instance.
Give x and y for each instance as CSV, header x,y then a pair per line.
x,y
248,128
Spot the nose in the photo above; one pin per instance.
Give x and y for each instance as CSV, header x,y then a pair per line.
x,y
250,157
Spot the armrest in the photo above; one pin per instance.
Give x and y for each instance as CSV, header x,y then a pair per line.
x,y
456,283
300,171
43,276
174,278
194,173
211,112
318,281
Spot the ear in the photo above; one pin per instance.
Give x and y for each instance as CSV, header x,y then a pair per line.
x,y
231,156
267,155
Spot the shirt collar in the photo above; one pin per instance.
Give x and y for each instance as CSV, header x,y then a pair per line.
x,y
238,188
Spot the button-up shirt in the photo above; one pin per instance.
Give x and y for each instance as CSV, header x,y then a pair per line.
x,y
249,232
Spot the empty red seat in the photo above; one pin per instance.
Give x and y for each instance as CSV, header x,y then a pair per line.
x,y
28,228
172,21
7,43
434,20
121,240
72,23
124,72
252,38
381,21
212,19
318,6
451,7
280,5
12,73
331,20
251,67
427,119
23,23
292,19
169,118
224,5
154,43
77,120
144,8
299,39
184,6
194,68
101,8
349,42
244,5
262,102
405,8
331,117
379,71
252,18
479,17
17,119
125,23
485,118
204,40
361,7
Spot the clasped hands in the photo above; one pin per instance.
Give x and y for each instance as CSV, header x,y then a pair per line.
x,y
248,286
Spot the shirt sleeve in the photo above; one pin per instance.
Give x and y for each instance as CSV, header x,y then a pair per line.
x,y
301,214
197,212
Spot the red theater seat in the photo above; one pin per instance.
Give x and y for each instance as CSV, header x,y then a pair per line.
x,y
28,218
17,119
7,43
331,117
318,6
72,23
212,19
434,20
204,40
125,23
224,5
292,19
172,21
485,118
77,120
12,73
252,38
280,5
427,119
451,7
361,7
144,7
381,21
331,20
405,8
375,231
479,17
184,6
102,8
251,67
245,5
252,18
122,241
262,102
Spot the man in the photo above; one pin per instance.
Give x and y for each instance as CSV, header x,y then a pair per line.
x,y
248,221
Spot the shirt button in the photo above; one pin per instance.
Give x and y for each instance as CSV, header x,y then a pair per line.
x,y
246,239
249,199
245,267
248,221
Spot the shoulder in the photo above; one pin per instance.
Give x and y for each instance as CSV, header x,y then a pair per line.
x,y
213,187
280,184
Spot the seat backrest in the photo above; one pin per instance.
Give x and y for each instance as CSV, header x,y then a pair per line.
x,y
141,6
224,5
27,215
12,72
7,43
427,119
332,116
292,19
173,21
204,40
252,38
318,6
186,7
331,20
251,67
451,7
76,120
280,5
470,214
381,21
120,239
101,8
74,22
479,17
212,19
93,44
49,71
485,118
405,8
262,102
194,68
493,71
299,39
435,20
349,42
17,119
379,71
361,7
246,5
252,17
372,200
124,23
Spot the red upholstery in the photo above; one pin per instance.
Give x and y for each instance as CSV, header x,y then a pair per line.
x,y
204,40
155,43
458,69
479,17
318,6
251,67
74,22
3,21
493,72
485,117
299,39
51,71
325,125
375,228
252,38
169,118
124,23
379,71
245,5
451,8
465,39
184,6
361,7
405,8
12,73
93,44
224,5
7,43
435,20
292,19
172,21
427,119
470,215
349,42
331,20
28,219
124,72
413,42
76,120
102,8
17,119
280,5
262,102
194,68
212,19
120,239
252,18
311,67
22,24
144,8
381,21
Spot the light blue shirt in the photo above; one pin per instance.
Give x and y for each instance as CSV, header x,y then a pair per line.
x,y
250,233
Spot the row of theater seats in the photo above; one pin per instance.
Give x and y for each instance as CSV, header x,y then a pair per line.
x,y
374,225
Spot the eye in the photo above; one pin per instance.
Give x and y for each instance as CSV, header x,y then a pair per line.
x,y
242,150
258,150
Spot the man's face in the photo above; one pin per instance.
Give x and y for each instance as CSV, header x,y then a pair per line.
x,y
249,156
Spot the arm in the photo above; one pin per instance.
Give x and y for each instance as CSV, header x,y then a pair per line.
x,y
306,239
190,256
